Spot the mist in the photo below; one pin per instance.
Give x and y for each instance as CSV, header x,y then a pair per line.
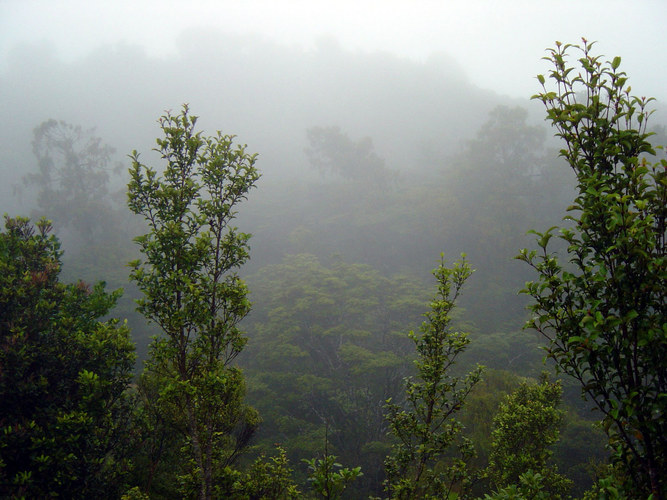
x,y
386,135
438,136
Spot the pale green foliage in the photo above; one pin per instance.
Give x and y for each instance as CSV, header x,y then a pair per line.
x,y
608,485
525,427
134,493
421,464
191,289
603,313
265,479
329,478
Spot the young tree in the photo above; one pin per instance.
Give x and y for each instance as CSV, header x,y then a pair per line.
x,y
267,478
63,375
603,313
419,466
191,289
326,476
526,426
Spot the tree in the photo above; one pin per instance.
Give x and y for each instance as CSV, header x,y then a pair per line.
x,y
192,291
268,478
490,184
64,375
156,455
326,476
72,178
332,151
525,427
419,466
511,145
603,313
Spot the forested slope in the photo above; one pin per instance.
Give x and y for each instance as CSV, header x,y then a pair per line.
x,y
371,167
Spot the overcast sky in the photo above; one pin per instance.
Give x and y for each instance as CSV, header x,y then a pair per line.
x,y
498,42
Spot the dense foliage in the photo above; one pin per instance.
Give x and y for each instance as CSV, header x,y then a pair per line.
x,y
526,426
327,349
64,373
604,311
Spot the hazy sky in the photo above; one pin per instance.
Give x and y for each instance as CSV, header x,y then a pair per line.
x,y
498,42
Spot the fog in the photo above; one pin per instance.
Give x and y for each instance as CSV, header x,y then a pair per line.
x,y
498,43
386,132
411,81
411,75
266,94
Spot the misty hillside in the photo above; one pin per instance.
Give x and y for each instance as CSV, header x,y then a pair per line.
x,y
417,118
372,170
267,94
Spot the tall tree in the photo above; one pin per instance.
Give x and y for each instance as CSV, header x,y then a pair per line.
x,y
603,313
489,187
192,291
64,374
426,428
72,178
